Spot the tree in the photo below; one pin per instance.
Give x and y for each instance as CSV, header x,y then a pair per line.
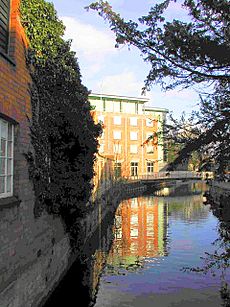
x,y
63,133
186,54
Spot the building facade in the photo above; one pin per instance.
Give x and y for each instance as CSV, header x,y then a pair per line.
x,y
33,251
132,134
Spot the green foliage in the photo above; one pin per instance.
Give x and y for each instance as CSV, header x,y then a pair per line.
x,y
64,136
186,54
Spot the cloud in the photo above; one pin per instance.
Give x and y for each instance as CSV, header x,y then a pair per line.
x,y
91,43
175,100
125,84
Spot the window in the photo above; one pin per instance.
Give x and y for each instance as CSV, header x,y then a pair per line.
x,y
4,24
102,136
133,136
6,158
104,105
134,168
149,122
101,119
148,134
133,149
117,120
101,148
150,167
136,107
117,135
133,121
150,149
117,169
121,106
117,148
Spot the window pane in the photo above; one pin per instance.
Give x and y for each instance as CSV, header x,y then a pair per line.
x,y
2,166
133,148
149,122
101,119
2,185
117,135
9,149
4,130
117,120
101,148
9,167
8,184
3,148
10,132
150,149
133,135
133,121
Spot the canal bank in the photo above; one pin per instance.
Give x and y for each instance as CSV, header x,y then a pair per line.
x,y
100,215
219,192
218,197
36,253
138,259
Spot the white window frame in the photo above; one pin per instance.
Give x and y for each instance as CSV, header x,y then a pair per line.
x,y
133,121
117,120
7,159
117,135
150,167
133,135
134,168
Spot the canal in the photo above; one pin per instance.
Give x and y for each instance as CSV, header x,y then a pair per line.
x,y
162,249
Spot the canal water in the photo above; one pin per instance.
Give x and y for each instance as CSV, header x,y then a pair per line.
x,y
161,250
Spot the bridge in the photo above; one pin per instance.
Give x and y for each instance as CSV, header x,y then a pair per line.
x,y
174,175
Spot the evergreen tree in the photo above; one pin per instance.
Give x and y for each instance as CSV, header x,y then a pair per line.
x,y
186,54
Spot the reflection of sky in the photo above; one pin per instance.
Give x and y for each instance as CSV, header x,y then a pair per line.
x,y
187,242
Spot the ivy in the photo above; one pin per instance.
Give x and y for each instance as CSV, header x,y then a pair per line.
x,y
63,133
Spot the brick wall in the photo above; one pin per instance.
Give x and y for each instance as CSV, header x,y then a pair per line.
x,y
33,252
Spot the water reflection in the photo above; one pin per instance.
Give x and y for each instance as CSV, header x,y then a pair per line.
x,y
138,259
140,230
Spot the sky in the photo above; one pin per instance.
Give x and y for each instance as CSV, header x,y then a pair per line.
x,y
117,71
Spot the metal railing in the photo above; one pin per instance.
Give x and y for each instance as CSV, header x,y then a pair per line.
x,y
168,175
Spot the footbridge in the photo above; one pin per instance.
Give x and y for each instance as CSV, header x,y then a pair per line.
x,y
174,175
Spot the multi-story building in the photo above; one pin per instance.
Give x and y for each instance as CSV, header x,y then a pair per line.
x,y
132,134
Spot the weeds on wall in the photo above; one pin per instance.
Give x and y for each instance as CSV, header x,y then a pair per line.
x,y
63,133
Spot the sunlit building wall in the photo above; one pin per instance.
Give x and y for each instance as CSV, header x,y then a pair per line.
x,y
127,124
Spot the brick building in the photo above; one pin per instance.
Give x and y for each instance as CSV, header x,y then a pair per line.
x,y
14,103
33,252
127,125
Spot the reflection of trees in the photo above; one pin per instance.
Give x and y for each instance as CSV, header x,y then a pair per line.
x,y
121,267
190,209
182,189
218,261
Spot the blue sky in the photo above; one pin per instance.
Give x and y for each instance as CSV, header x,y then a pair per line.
x,y
106,69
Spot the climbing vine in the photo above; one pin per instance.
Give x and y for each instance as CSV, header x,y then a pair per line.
x,y
63,133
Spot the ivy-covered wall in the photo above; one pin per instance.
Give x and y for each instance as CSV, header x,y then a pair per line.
x,y
64,135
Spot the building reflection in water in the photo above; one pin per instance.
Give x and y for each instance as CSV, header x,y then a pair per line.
x,y
140,230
